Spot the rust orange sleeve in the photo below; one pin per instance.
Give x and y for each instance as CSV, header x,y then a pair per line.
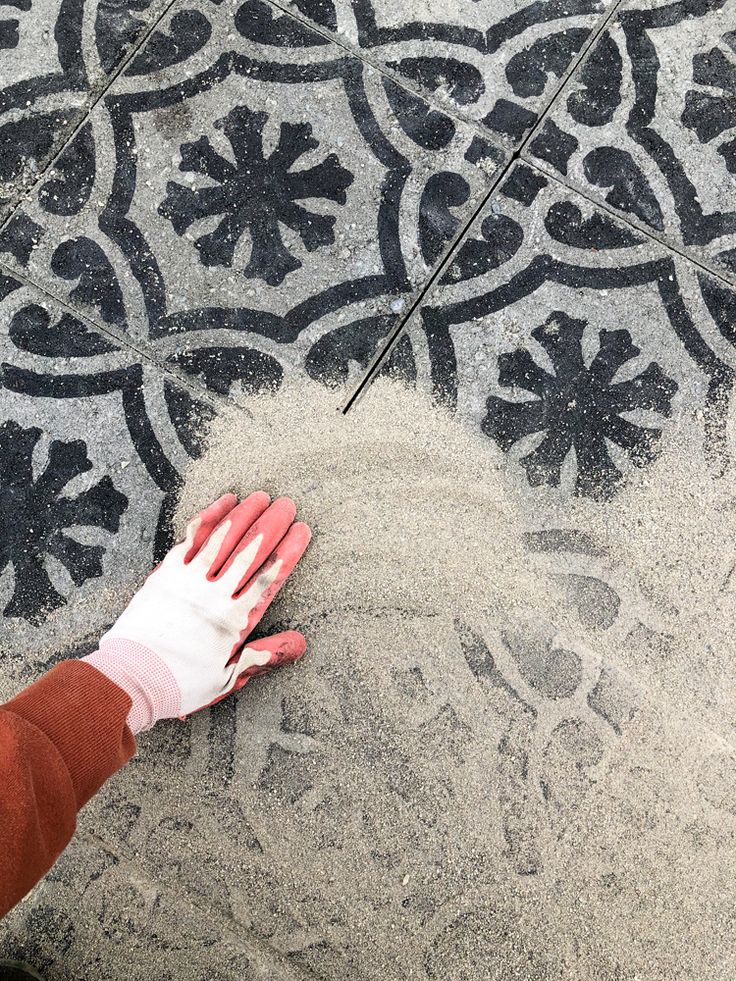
x,y
60,740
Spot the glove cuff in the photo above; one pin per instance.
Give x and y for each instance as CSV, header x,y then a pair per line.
x,y
143,676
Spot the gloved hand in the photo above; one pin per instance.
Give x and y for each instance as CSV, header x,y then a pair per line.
x,y
181,643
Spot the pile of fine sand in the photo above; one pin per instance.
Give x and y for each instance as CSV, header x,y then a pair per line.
x,y
411,513
482,785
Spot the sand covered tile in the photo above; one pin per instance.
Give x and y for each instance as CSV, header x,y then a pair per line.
x,y
463,774
600,365
496,63
648,125
249,197
574,343
93,441
56,59
96,915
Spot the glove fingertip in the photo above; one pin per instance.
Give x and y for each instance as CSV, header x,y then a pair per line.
x,y
293,645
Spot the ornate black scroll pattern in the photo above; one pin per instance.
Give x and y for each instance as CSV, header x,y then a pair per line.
x,y
256,197
646,171
495,62
68,66
580,397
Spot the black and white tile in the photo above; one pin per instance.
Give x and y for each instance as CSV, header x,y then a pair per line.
x,y
54,58
648,125
93,441
496,63
574,342
252,201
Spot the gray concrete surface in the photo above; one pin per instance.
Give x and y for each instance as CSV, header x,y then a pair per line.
x,y
494,827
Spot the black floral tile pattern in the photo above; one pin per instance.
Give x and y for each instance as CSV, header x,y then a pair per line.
x,y
577,405
497,63
247,199
92,446
575,345
252,201
36,516
648,124
55,57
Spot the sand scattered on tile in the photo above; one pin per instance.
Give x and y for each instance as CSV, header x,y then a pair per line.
x,y
410,512
417,527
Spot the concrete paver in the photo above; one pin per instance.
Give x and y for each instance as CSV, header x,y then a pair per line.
x,y
647,125
543,285
56,58
96,915
96,440
262,191
251,200
444,818
497,63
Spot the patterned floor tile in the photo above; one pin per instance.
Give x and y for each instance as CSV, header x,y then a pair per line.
x,y
574,343
92,444
265,806
648,124
253,200
55,57
96,916
320,812
497,63
249,199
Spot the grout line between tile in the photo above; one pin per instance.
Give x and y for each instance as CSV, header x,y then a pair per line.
x,y
581,57
457,241
104,88
123,339
401,80
633,223
449,256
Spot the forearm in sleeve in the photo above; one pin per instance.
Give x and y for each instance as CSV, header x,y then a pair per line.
x,y
60,740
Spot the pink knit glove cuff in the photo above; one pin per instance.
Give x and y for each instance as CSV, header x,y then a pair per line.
x,y
143,676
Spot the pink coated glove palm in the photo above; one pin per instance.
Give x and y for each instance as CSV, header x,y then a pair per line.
x,y
196,610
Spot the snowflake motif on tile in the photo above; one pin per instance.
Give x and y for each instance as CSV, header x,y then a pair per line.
x,y
579,407
710,115
255,194
35,517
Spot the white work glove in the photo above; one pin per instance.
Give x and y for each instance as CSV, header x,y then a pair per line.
x,y
181,643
